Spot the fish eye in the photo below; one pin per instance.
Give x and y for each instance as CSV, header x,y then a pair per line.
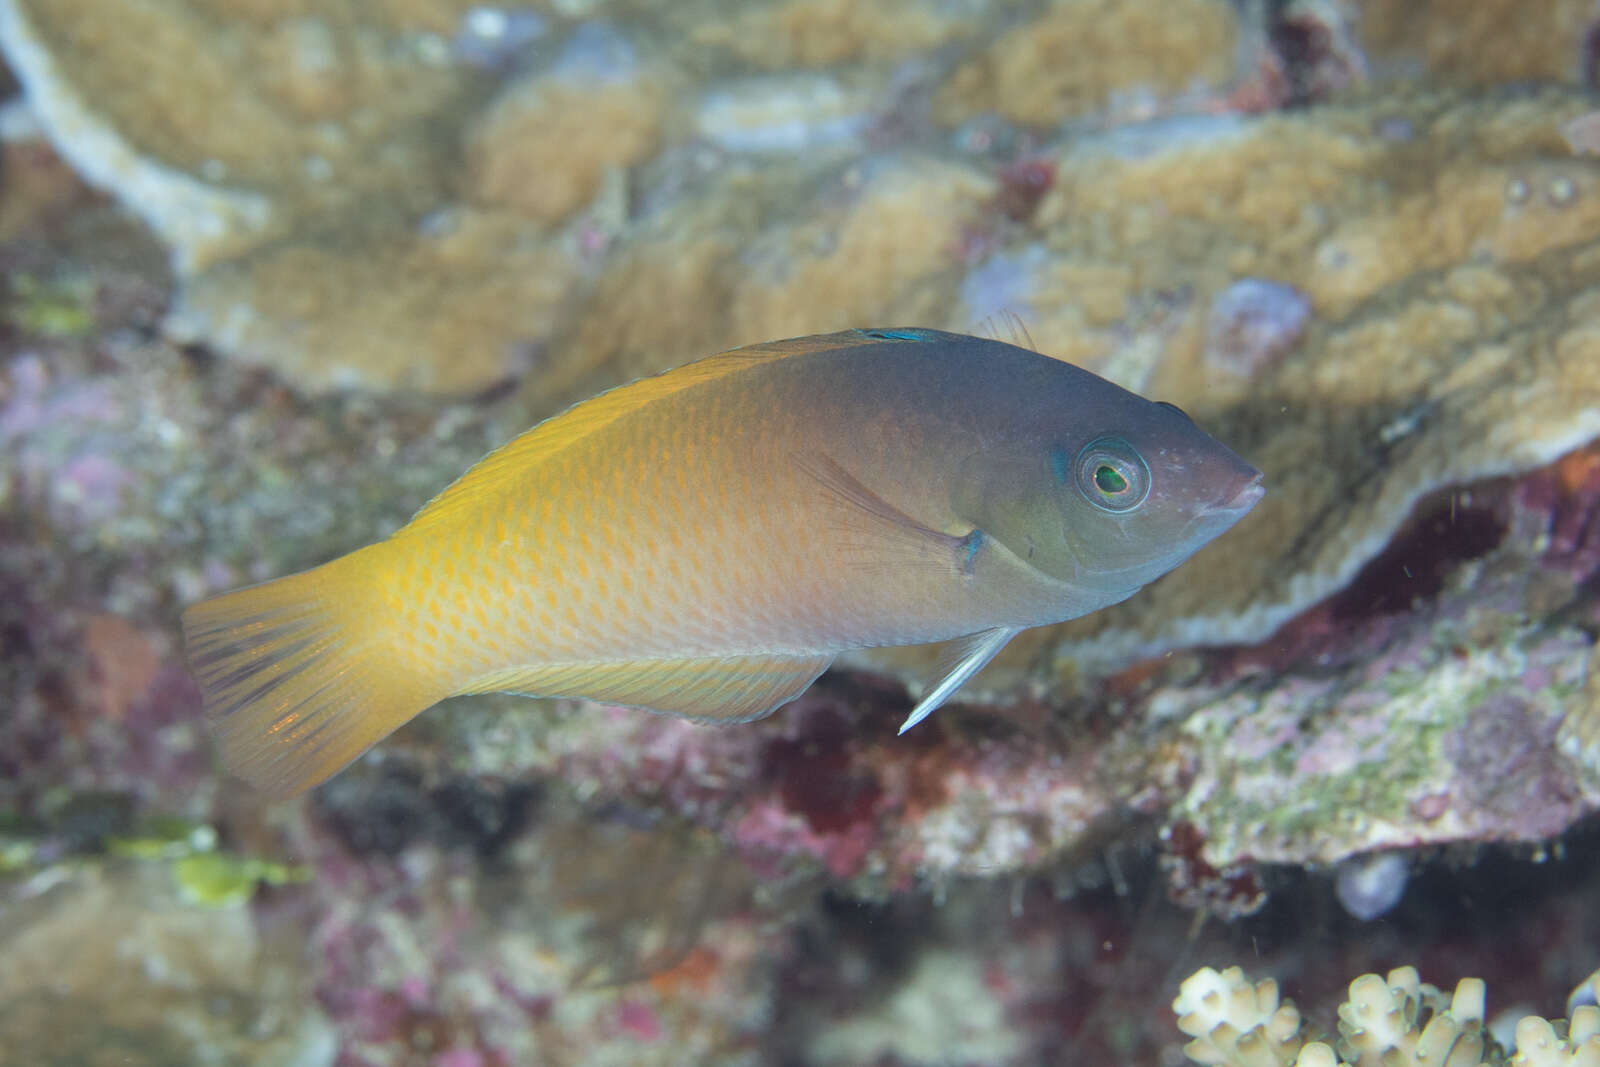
x,y
1112,475
1108,480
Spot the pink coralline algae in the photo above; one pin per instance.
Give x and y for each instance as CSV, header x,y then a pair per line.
x,y
638,1020
1254,324
91,488
466,1057
827,786
826,799
768,827
1567,494
65,441
1023,185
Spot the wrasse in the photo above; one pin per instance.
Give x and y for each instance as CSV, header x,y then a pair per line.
x,y
704,542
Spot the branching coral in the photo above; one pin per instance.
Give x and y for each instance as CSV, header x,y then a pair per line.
x,y
1398,1020
1234,1023
1543,1044
1395,1021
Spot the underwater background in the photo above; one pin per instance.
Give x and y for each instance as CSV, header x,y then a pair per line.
x,y
276,271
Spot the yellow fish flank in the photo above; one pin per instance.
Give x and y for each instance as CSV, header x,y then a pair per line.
x,y
705,541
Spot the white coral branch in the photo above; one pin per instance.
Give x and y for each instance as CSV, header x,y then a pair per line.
x,y
1393,1021
1541,1043
1235,1023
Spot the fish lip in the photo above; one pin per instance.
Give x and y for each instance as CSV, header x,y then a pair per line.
x,y
1243,494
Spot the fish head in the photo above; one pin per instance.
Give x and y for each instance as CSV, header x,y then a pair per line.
x,y
1114,504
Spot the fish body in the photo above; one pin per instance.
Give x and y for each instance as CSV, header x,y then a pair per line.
x,y
705,541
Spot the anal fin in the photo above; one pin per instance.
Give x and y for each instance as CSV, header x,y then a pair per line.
x,y
709,689
967,656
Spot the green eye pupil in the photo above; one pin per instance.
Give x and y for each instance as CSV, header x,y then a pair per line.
x,y
1110,474
1108,480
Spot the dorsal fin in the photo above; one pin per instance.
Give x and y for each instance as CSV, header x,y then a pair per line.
x,y
579,421
1011,325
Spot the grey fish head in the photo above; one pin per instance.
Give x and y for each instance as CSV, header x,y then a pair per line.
x,y
1143,495
1112,491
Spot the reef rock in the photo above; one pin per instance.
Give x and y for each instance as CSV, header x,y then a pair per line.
x,y
312,211
1449,247
1479,44
213,161
110,966
415,196
1074,61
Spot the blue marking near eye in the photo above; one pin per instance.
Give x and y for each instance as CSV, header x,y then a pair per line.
x,y
1060,464
893,335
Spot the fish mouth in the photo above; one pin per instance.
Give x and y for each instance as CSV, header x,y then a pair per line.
x,y
1242,494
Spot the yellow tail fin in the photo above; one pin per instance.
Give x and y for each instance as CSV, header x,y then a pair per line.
x,y
300,674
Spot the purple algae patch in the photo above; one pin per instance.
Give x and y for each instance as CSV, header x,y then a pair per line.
x,y
1254,324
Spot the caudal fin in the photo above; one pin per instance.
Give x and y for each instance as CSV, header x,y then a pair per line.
x,y
300,675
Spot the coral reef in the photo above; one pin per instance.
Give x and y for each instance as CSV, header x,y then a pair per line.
x,y
290,202
391,149
1231,1020
1485,44
250,322
589,113
1391,1021
136,975
1069,62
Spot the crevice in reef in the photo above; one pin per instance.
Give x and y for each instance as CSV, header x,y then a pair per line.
x,y
1444,532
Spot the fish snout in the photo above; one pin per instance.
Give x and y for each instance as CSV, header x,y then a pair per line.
x,y
1241,493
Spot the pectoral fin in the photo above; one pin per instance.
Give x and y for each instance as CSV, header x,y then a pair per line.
x,y
967,657
877,524
720,689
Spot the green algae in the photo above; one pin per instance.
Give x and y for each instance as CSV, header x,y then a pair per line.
x,y
219,879
1318,770
18,850
202,874
164,837
54,308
